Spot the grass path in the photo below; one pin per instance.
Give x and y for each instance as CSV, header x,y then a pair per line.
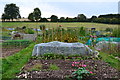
x,y
111,60
12,64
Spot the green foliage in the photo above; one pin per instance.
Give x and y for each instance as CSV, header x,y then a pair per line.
x,y
54,18
116,32
53,56
29,31
11,65
16,43
111,60
80,73
42,27
30,17
53,67
35,15
44,20
81,17
108,29
62,19
59,34
11,11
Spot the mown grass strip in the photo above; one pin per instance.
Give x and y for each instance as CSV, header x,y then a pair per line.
x,y
11,65
111,60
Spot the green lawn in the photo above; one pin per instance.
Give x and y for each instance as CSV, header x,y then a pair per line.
x,y
99,26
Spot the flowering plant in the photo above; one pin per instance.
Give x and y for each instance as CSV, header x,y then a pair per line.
x,y
81,71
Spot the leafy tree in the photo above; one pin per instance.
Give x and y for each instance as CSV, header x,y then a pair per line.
x,y
30,17
81,17
93,18
54,18
11,11
43,20
37,14
69,19
4,16
62,19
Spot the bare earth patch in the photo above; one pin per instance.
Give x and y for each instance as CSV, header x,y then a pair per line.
x,y
9,51
101,70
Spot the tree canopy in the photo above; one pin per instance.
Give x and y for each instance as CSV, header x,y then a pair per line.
x,y
35,15
54,18
81,17
11,11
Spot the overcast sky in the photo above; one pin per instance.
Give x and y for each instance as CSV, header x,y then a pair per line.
x,y
64,8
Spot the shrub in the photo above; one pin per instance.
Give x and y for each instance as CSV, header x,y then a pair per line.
x,y
109,29
29,31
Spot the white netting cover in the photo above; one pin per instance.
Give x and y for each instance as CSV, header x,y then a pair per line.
x,y
61,48
105,45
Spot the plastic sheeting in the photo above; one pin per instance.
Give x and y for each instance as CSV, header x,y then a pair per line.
x,y
110,39
105,45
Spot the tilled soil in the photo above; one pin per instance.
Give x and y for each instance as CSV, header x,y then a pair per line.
x,y
9,51
101,70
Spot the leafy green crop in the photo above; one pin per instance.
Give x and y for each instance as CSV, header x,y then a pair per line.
x,y
80,73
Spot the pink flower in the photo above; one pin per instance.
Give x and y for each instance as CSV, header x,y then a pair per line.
x,y
91,36
86,45
94,36
91,72
76,62
73,65
84,65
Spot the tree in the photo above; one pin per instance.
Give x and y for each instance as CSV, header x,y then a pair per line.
x,y
35,15
11,11
69,19
43,20
62,19
93,18
4,16
54,18
81,17
30,17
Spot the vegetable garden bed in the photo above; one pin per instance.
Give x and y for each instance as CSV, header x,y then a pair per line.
x,y
101,69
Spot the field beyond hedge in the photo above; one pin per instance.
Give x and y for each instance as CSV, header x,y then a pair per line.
x,y
98,26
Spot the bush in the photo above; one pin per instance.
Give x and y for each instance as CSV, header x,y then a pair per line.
x,y
29,31
109,29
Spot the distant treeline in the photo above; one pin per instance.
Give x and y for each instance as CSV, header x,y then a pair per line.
x,y
108,19
11,12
